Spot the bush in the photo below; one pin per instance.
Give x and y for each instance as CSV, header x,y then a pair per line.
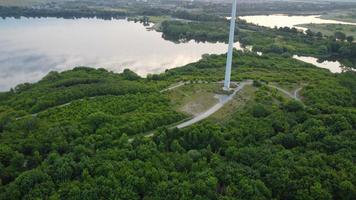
x,y
294,106
259,111
257,83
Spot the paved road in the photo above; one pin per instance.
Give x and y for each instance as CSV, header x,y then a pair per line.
x,y
222,101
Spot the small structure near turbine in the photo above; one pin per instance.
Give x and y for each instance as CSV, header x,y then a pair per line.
x,y
231,47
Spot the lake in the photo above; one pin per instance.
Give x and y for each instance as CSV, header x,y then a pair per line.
x,y
30,48
281,20
332,66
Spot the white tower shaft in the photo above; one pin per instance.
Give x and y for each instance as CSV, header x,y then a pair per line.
x,y
231,46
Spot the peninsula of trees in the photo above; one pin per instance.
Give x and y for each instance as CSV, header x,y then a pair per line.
x,y
80,134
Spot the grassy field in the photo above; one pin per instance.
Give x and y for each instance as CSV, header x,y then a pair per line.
x,y
330,29
193,99
239,101
158,19
20,2
346,16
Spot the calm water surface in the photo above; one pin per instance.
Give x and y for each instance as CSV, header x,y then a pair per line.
x,y
272,21
332,66
30,48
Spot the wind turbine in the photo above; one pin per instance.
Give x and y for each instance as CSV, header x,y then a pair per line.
x,y
231,46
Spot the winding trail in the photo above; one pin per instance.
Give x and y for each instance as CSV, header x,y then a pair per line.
x,y
57,106
296,93
69,103
293,95
223,99
174,87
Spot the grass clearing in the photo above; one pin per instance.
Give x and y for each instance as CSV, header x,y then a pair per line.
x,y
290,87
239,101
20,2
330,29
159,19
342,15
195,98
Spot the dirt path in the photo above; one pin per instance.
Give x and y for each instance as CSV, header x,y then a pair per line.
x,y
174,87
296,93
58,106
223,99
69,103
293,95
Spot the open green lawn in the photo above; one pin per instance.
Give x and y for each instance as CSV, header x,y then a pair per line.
x,y
239,102
346,16
194,98
20,2
330,29
158,19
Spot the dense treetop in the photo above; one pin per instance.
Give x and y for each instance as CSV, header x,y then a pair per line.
x,y
285,41
77,135
83,133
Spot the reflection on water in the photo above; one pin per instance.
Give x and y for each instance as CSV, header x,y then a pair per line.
x,y
30,48
289,21
293,21
333,66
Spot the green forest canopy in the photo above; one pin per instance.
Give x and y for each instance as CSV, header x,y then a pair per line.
x,y
274,148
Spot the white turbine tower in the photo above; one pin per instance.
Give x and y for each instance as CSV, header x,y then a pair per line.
x,y
231,46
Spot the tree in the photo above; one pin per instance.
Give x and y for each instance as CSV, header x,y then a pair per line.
x,y
309,33
319,193
257,83
347,190
6,153
334,47
350,39
130,75
294,106
97,119
176,147
5,117
340,36
28,180
260,111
